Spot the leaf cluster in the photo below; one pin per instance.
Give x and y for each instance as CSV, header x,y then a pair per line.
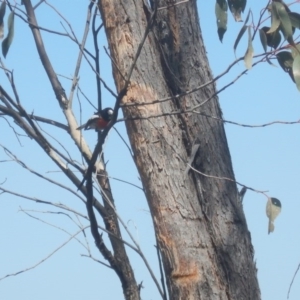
x,y
236,7
284,23
283,26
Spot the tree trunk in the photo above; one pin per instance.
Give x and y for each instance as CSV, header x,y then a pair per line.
x,y
199,221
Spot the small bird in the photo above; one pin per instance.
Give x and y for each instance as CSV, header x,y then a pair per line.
x,y
99,120
273,209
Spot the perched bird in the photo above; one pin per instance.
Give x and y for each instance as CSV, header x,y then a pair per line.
x,y
99,120
273,209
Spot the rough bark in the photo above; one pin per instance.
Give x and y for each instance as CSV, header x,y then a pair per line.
x,y
199,222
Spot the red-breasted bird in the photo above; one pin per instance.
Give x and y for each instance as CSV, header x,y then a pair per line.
x,y
99,120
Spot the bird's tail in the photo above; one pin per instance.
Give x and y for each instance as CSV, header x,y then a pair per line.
x,y
271,227
81,127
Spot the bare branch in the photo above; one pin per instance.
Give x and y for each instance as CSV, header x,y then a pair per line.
x,y
97,57
126,144
45,258
121,180
230,179
22,164
37,200
52,225
81,47
291,284
86,98
10,76
97,260
94,229
207,175
49,121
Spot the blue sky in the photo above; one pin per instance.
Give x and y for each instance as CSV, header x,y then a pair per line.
x,y
263,158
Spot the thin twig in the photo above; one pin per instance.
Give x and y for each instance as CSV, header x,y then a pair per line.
x,y
124,181
37,200
126,144
259,20
229,179
80,54
96,260
97,57
22,164
45,258
291,284
52,225
86,98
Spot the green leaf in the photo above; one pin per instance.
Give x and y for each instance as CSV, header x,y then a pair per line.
x,y
221,15
285,22
295,50
263,39
237,7
249,53
269,62
2,14
275,20
295,19
296,71
9,38
285,6
273,39
286,60
241,33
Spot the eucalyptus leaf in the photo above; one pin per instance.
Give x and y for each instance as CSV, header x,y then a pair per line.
x,y
295,19
237,7
296,71
285,60
295,50
263,39
249,53
2,14
275,20
2,11
273,39
9,38
285,22
241,33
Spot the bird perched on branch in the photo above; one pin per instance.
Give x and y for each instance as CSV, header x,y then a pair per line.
x,y
99,120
